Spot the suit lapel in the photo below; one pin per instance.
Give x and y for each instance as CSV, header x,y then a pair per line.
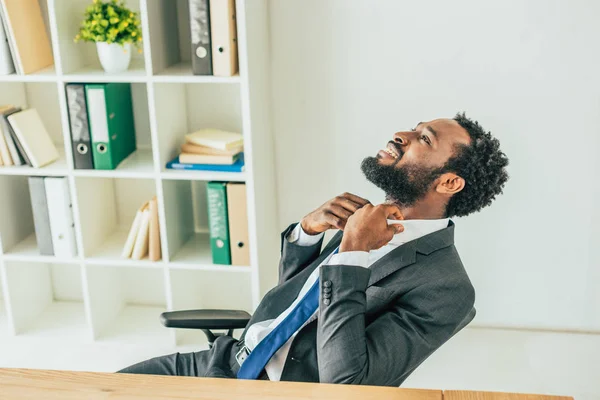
x,y
406,254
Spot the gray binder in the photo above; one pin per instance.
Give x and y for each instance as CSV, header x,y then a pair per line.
x,y
201,42
41,218
80,129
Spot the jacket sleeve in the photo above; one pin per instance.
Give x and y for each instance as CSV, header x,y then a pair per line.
x,y
294,257
386,351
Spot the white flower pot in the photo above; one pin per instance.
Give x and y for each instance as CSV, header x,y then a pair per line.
x,y
114,57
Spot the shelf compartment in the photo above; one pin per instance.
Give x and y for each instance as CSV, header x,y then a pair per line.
x,y
47,300
126,303
140,163
80,60
17,230
43,96
182,108
208,290
107,208
170,47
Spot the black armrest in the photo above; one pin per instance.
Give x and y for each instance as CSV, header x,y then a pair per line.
x,y
205,319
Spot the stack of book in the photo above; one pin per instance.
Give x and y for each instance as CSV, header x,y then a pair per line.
x,y
23,138
102,124
24,42
53,216
211,150
228,223
214,41
144,236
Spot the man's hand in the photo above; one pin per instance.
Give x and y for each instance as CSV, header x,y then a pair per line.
x,y
333,214
368,230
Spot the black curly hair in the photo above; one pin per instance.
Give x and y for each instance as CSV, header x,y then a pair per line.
x,y
483,167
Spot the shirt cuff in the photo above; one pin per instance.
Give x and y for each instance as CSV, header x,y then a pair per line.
x,y
301,238
358,258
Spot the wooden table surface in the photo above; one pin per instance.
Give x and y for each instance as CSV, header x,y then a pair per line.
x,y
67,385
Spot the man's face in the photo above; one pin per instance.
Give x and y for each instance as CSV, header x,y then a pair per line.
x,y
407,168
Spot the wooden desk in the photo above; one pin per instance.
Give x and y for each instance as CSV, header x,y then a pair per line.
x,y
67,385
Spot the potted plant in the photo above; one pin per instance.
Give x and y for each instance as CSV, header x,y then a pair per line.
x,y
114,28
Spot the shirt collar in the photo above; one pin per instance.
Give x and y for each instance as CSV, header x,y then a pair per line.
x,y
416,228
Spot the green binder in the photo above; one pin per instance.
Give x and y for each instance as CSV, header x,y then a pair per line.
x,y
112,130
218,221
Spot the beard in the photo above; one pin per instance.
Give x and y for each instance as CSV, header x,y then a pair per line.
x,y
403,186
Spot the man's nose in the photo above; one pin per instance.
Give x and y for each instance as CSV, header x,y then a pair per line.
x,y
401,138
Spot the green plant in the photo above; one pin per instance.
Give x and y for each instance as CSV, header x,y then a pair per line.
x,y
110,22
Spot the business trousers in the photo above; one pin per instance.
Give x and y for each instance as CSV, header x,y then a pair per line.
x,y
217,362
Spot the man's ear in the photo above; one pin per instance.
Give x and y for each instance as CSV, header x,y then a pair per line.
x,y
450,184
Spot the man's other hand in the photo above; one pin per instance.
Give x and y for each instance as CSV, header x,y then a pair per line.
x,y
368,229
334,214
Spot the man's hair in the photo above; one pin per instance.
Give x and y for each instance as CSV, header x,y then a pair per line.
x,y
483,167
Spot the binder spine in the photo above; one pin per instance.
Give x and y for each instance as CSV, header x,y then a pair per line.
x,y
41,218
218,223
80,129
201,37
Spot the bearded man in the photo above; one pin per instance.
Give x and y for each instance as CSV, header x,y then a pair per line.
x,y
387,290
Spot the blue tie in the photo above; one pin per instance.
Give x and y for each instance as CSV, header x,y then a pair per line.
x,y
262,353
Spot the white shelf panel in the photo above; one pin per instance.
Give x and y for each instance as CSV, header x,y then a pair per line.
x,y
195,254
57,168
135,73
182,73
203,175
44,75
27,251
63,320
109,253
138,165
137,325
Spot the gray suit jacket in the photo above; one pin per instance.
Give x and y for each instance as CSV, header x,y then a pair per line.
x,y
381,322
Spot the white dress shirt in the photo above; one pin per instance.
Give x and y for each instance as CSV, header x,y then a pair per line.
x,y
413,229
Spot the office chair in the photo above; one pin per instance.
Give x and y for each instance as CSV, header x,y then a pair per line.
x,y
205,320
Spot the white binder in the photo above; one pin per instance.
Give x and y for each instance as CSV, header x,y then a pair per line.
x,y
60,210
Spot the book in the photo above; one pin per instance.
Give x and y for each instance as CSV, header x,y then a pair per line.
x,y
195,149
218,222
33,137
41,216
140,249
112,128
6,131
200,32
79,126
7,66
237,210
215,138
238,166
154,253
60,211
187,158
28,39
4,150
224,37
133,232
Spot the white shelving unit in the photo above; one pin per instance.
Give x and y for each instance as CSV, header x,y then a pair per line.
x,y
98,295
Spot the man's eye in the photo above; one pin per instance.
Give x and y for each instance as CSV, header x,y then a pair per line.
x,y
426,139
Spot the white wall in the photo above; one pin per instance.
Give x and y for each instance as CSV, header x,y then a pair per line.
x,y
349,73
